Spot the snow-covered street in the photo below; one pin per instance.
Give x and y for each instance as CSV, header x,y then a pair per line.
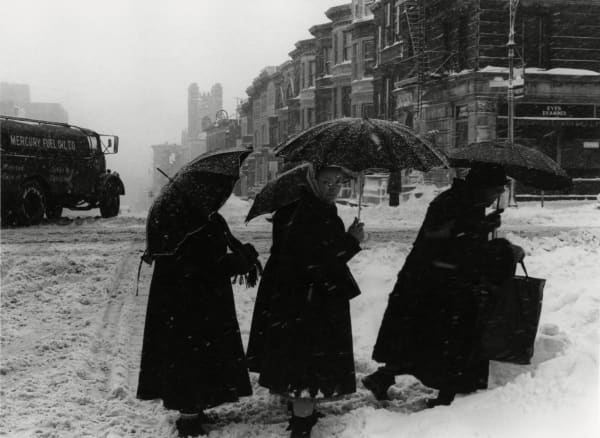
x,y
72,327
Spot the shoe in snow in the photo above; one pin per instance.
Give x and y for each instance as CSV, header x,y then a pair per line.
x,y
301,426
189,427
378,383
444,398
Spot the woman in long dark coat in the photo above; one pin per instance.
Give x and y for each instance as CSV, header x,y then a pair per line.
x,y
192,355
260,317
429,328
301,338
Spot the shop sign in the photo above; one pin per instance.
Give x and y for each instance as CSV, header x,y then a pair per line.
x,y
551,110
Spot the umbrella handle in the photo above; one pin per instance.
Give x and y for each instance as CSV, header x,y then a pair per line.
x,y
361,186
495,232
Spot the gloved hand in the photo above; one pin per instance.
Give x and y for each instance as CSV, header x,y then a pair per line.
x,y
250,252
236,264
492,221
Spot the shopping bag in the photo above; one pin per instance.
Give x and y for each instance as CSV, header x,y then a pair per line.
x,y
510,322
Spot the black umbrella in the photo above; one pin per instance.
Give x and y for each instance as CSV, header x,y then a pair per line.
x,y
527,165
198,189
360,144
281,191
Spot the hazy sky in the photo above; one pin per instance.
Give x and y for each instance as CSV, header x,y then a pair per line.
x,y
123,66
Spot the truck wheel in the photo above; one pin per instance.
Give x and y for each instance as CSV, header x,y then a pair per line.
x,y
110,201
31,204
54,212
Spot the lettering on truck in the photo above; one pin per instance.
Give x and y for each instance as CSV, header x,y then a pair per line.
x,y
44,142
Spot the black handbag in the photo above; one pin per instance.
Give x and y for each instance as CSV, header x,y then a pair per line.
x,y
510,320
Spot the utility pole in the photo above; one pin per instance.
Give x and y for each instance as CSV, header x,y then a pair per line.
x,y
510,98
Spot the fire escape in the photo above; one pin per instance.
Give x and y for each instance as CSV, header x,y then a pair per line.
x,y
414,11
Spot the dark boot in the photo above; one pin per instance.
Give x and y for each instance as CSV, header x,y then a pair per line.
x,y
378,383
301,426
190,427
444,398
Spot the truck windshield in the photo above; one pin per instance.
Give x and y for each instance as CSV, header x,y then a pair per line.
x,y
93,142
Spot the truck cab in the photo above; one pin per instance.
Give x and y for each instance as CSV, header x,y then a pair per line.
x,y
48,166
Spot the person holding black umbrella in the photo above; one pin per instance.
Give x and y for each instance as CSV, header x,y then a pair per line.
x,y
301,337
430,327
192,354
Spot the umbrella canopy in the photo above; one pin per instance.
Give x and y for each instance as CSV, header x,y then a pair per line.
x,y
182,206
527,165
222,161
281,191
360,144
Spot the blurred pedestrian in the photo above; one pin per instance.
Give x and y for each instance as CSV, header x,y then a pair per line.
x,y
301,337
192,356
430,327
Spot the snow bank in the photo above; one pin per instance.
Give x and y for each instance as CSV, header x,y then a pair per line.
x,y
409,214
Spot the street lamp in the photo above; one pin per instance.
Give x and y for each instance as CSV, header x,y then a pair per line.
x,y
513,4
510,97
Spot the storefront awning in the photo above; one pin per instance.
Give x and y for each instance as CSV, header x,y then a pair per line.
x,y
555,121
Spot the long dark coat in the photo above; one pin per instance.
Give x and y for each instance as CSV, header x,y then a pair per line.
x,y
430,327
301,337
268,285
192,355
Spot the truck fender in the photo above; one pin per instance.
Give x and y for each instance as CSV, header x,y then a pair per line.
x,y
111,177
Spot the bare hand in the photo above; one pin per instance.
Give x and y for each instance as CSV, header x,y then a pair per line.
x,y
356,230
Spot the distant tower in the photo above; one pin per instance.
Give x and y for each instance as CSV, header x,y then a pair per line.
x,y
194,128
216,100
202,108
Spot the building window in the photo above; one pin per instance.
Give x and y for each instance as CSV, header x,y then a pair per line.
x,y
346,101
326,61
311,73
336,48
543,41
463,36
368,56
279,97
447,37
335,103
355,61
388,14
461,130
379,45
273,136
399,21
263,103
347,45
367,110
310,116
